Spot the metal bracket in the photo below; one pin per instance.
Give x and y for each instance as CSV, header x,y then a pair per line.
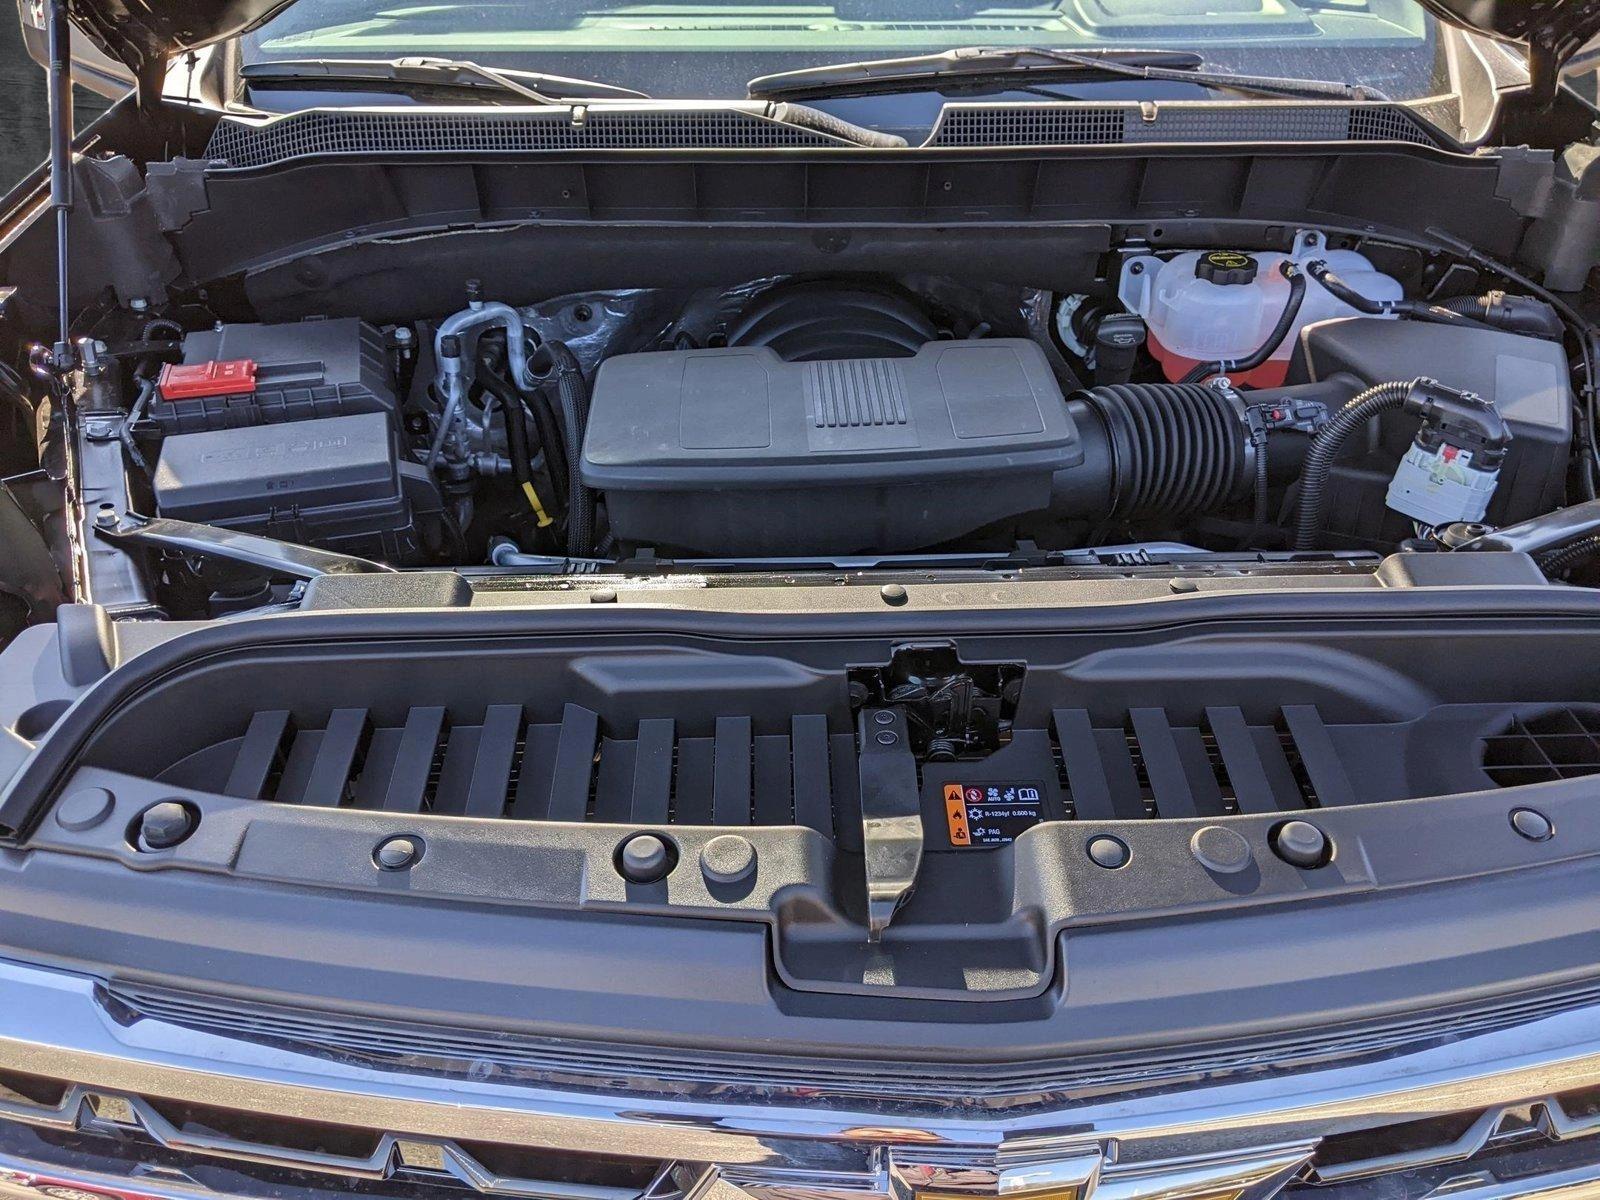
x,y
230,545
891,812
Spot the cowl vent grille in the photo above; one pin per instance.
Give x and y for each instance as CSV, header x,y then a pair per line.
x,y
332,132
322,132
1047,124
1558,743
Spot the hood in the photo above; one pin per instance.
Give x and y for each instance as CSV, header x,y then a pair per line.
x,y
1553,30
143,33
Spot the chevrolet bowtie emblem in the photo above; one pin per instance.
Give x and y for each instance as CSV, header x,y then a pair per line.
x,y
1091,1174
1052,1171
920,1176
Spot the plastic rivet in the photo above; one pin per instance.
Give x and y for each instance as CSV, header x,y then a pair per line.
x,y
85,809
1532,824
397,853
727,858
894,594
887,737
603,596
1221,850
883,717
1183,585
1301,843
644,858
162,826
1108,852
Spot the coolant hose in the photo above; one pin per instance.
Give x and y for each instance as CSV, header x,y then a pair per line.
x,y
1325,449
1513,314
1286,320
1416,309
574,396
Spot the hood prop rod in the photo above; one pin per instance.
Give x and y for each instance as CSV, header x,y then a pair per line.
x,y
62,355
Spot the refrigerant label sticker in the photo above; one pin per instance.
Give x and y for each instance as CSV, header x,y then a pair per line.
x,y
990,814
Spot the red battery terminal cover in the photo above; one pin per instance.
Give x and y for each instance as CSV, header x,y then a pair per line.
x,y
191,381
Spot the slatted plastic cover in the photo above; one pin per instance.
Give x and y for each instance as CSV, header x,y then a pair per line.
x,y
505,765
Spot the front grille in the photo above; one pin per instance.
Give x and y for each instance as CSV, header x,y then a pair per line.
x,y
264,1153
177,1138
452,1050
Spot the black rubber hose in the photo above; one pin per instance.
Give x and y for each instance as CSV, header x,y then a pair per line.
x,y
1559,562
1415,309
574,395
549,434
550,441
1524,315
1467,306
1325,449
158,323
510,402
1286,320
536,404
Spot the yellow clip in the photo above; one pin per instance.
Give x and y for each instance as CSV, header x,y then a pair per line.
x,y
535,504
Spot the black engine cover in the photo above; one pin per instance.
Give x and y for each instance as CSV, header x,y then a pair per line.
x,y
735,451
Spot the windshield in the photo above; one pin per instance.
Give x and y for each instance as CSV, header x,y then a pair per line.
x,y
710,48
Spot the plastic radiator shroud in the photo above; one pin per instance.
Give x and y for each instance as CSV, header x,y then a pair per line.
x,y
734,451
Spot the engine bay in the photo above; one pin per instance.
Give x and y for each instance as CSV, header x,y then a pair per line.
x,y
1323,398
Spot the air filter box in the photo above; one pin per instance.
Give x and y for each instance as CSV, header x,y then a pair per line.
x,y
735,451
1526,379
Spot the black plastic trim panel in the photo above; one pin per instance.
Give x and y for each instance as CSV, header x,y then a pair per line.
x,y
1139,951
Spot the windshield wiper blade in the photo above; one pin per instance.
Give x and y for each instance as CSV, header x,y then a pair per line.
x,y
991,64
437,72
533,86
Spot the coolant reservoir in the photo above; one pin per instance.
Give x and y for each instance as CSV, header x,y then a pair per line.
x,y
1205,305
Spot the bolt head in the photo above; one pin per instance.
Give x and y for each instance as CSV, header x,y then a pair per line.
x,y
397,853
163,826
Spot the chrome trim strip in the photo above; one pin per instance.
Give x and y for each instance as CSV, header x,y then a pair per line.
x,y
52,1025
